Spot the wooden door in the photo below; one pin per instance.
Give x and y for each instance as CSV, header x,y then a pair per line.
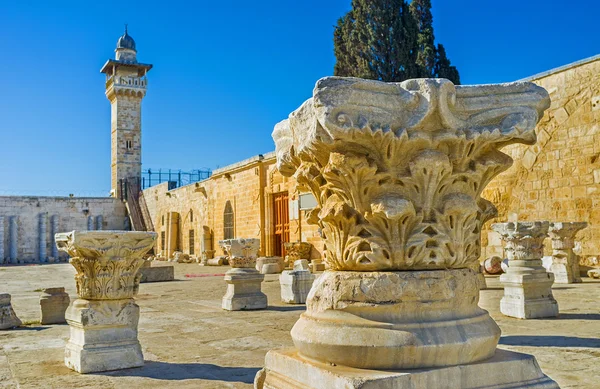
x,y
281,222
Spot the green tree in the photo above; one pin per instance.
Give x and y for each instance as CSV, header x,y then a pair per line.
x,y
377,40
443,69
389,40
426,53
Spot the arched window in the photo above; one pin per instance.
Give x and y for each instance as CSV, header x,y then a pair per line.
x,y
191,216
228,221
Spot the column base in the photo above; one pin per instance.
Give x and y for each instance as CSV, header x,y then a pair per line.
x,y
565,273
396,320
103,335
528,291
97,359
285,369
243,290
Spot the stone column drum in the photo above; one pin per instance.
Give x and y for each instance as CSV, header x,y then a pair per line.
x,y
243,280
104,319
397,170
565,263
527,285
53,304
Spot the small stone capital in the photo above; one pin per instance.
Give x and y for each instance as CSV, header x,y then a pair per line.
x,y
524,240
563,234
242,253
107,262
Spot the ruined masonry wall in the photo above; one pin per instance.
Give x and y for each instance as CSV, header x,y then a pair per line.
x,y
29,223
558,178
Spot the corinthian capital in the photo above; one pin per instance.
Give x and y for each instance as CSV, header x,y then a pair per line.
x,y
107,262
398,168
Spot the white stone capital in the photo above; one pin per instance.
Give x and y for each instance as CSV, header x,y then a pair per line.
x,y
107,262
397,169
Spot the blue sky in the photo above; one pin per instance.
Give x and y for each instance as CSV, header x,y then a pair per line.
x,y
224,73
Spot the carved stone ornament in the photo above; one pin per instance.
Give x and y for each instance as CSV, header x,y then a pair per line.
x,y
397,169
527,284
107,262
242,253
565,263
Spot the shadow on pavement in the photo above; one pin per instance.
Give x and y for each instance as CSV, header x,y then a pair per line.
x,y
576,316
295,307
188,371
549,341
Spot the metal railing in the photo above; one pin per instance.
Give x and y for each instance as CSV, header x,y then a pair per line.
x,y
176,178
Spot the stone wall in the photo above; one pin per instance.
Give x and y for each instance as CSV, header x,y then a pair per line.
x,y
28,224
249,186
558,178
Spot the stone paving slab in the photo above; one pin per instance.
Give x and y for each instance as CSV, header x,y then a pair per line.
x,y
190,342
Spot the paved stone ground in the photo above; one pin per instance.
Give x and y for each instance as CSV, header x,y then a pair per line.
x,y
189,342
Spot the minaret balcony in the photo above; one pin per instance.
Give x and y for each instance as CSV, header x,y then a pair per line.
x,y
127,82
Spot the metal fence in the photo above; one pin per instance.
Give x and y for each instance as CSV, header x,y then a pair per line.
x,y
175,178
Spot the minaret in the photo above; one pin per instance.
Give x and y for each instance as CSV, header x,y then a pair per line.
x,y
125,88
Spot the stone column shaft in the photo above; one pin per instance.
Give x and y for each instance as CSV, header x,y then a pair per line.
x,y
13,238
42,235
54,231
2,239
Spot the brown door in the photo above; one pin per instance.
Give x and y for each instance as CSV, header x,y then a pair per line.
x,y
281,221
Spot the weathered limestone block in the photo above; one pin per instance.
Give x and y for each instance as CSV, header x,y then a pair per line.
x,y
218,261
269,265
104,319
8,318
53,304
397,170
151,272
493,265
243,280
301,264
295,285
295,251
527,285
180,257
565,263
593,273
317,265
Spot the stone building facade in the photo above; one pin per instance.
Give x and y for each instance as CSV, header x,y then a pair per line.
x,y
558,178
28,224
249,199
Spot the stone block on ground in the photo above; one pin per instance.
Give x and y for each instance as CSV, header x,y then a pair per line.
x,y
157,273
295,286
53,304
301,264
8,318
244,290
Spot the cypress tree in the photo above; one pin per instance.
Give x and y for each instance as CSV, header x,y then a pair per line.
x,y
389,40
426,53
443,69
376,40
